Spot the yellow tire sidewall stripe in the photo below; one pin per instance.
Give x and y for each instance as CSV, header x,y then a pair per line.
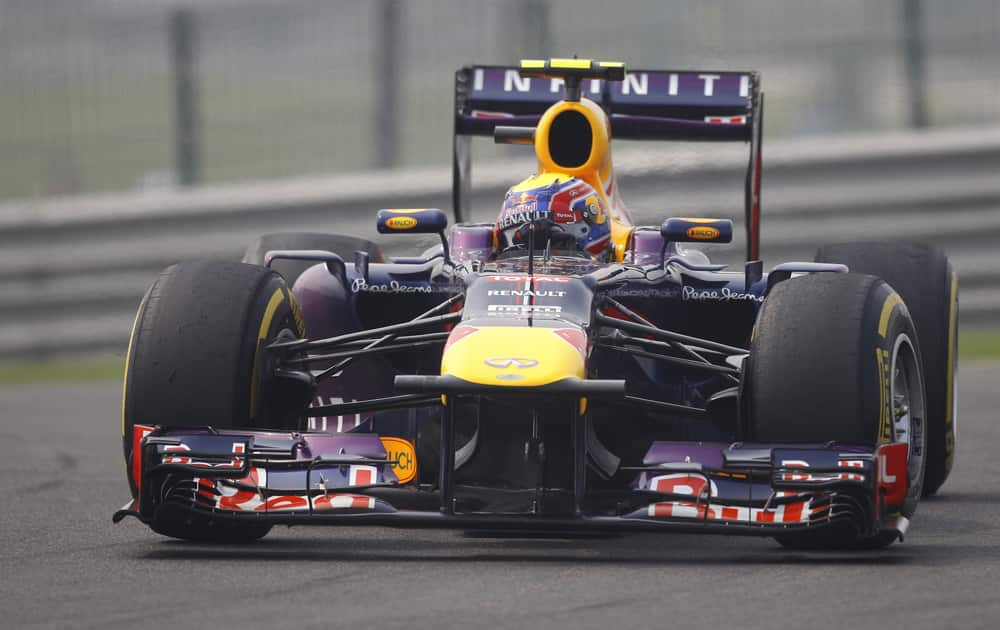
x,y
882,369
128,356
891,301
265,325
949,418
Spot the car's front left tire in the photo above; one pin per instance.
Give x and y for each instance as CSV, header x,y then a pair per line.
x,y
835,358
926,281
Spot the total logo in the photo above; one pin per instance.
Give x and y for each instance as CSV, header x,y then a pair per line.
x,y
559,279
529,293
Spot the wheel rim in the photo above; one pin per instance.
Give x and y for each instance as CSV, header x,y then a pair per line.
x,y
906,384
901,401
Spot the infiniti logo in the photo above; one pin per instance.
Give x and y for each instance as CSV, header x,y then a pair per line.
x,y
506,362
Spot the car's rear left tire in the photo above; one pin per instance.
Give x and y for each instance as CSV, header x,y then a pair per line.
x,y
195,359
835,357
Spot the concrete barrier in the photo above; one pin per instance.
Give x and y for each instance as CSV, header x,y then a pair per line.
x,y
72,270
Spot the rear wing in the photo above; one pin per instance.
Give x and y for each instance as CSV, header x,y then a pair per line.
x,y
646,105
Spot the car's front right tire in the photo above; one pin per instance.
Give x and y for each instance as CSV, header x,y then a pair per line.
x,y
196,358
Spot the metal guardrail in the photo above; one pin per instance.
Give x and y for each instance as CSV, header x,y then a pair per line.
x,y
72,270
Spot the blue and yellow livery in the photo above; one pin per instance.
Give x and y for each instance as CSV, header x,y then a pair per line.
x,y
548,388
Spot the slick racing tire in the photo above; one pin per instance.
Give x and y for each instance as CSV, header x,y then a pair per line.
x,y
290,270
194,359
924,278
835,358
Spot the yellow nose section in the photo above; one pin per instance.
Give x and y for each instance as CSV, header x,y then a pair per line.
x,y
514,356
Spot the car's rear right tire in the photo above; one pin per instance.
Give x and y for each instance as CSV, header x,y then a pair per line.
x,y
835,358
290,270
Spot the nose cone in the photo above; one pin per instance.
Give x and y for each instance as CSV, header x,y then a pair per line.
x,y
516,356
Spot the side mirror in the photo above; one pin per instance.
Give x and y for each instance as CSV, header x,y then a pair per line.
x,y
411,220
684,230
414,221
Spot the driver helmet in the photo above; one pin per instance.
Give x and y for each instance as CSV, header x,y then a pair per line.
x,y
569,216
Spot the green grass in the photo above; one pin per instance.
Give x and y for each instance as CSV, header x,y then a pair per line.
x,y
979,343
86,369
974,344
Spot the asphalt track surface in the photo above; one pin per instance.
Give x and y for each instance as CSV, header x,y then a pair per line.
x,y
63,564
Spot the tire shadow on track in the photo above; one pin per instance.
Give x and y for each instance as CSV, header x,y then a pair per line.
x,y
986,498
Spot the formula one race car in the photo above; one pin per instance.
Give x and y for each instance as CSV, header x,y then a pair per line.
x,y
560,370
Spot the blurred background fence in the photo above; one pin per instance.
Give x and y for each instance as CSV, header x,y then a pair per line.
x,y
101,95
134,133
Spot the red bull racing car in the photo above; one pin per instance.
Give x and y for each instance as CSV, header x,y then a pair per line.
x,y
558,370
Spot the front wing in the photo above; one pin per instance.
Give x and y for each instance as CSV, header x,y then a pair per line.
x,y
351,479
